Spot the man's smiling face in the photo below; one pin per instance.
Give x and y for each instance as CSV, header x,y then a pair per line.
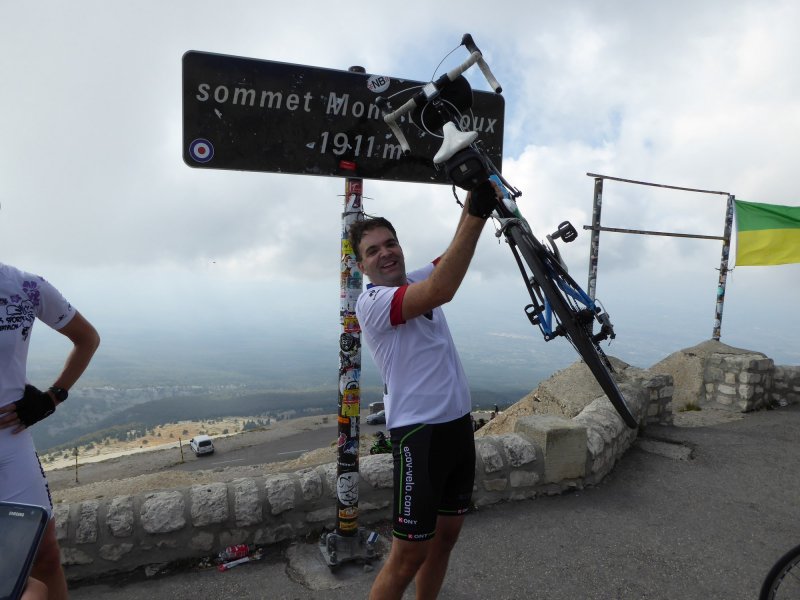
x,y
382,258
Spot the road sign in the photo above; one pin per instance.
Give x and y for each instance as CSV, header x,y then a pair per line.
x,y
257,115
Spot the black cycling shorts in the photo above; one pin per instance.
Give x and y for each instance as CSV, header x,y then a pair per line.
x,y
434,471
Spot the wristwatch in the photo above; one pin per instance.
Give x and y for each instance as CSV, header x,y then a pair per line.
x,y
60,393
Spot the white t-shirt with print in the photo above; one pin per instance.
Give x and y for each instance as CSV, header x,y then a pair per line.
x,y
422,373
24,298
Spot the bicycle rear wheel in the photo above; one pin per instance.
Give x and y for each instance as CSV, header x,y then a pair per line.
x,y
575,320
783,580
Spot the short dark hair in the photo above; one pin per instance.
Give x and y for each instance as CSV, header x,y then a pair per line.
x,y
359,228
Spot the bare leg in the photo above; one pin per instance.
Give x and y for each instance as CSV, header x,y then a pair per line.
x,y
34,590
47,566
430,575
405,559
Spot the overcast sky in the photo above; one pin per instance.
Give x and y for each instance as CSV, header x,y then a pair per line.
x,y
95,196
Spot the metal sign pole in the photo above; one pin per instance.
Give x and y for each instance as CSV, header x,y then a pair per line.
x,y
349,542
594,246
723,269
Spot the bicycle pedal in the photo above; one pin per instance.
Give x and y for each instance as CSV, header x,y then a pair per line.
x,y
566,231
533,314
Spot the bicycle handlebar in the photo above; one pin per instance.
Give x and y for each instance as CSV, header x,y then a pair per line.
x,y
432,89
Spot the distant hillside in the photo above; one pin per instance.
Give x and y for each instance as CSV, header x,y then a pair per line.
x,y
183,408
146,415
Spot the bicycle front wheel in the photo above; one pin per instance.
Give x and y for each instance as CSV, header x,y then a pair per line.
x,y
783,580
575,320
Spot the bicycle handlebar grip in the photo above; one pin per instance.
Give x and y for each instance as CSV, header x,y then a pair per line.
x,y
456,71
391,120
489,76
470,45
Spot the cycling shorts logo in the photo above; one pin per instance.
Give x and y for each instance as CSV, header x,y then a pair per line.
x,y
408,481
201,150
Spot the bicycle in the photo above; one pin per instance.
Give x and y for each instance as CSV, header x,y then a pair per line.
x,y
783,579
559,306
381,445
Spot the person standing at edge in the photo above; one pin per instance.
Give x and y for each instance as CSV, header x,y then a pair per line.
x,y
426,395
23,298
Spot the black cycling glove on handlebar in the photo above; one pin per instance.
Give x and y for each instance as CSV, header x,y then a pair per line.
x,y
34,406
482,200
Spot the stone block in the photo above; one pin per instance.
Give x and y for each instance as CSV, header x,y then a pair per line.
x,y
114,552
202,541
523,479
519,451
163,512
247,506
61,516
377,470
495,485
209,503
119,518
87,523
280,493
563,443
489,455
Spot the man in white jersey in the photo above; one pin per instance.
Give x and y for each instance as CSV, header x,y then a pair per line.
x,y
24,298
426,395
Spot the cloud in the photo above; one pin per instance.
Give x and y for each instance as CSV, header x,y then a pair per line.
x,y
699,95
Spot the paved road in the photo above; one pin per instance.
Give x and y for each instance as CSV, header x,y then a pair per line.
x,y
271,451
234,451
657,528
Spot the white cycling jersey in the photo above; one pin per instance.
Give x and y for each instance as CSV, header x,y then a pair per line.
x,y
422,373
23,298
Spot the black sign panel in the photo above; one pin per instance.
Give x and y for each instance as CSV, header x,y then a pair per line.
x,y
256,115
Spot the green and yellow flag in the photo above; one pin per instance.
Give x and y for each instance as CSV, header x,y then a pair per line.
x,y
767,234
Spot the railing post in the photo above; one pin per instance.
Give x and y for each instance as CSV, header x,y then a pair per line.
x,y
594,246
723,269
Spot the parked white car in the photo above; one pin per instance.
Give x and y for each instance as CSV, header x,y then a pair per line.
x,y
377,418
201,444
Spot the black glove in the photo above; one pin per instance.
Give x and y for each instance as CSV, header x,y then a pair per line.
x,y
482,200
34,406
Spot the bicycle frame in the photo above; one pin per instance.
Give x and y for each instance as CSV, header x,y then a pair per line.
x,y
560,307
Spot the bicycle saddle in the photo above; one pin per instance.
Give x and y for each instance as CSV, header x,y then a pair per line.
x,y
454,141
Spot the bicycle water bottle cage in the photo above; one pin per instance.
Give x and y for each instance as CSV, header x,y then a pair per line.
x,y
566,231
466,169
454,141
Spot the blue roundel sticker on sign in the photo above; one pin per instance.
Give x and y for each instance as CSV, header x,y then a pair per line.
x,y
201,150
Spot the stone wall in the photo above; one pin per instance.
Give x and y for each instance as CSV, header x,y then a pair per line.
x,y
722,376
739,381
544,454
785,385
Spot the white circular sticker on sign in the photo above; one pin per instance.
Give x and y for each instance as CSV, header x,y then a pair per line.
x,y
378,83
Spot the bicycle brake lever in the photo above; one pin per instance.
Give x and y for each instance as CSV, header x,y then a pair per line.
x,y
469,43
